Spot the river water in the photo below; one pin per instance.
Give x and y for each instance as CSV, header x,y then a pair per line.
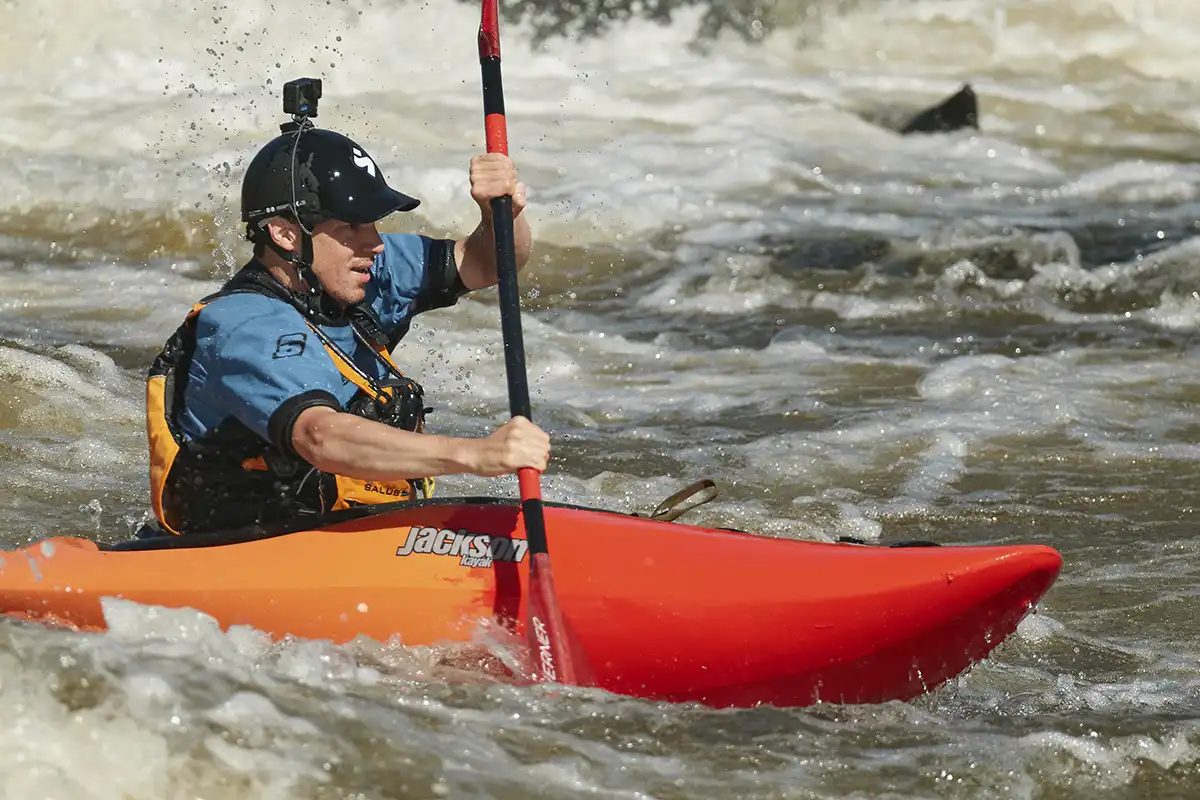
x,y
740,274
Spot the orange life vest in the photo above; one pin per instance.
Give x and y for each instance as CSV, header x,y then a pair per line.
x,y
234,479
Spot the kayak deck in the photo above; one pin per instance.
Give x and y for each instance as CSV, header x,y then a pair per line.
x,y
665,610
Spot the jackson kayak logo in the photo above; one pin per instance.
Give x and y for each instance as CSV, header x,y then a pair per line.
x,y
472,549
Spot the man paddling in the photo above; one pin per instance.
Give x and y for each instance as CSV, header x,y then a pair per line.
x,y
277,398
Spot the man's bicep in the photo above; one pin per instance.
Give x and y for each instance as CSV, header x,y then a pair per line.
x,y
284,429
305,426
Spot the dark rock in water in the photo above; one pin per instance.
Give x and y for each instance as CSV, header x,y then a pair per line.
x,y
959,110
1007,257
1139,233
1002,254
956,112
833,251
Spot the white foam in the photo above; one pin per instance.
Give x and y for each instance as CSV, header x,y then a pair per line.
x,y
1039,628
115,107
1111,762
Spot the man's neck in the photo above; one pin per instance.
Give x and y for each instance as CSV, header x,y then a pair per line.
x,y
282,271
288,275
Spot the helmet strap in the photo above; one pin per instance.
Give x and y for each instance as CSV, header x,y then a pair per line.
x,y
304,265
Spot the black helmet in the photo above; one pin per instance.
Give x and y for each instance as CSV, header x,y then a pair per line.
x,y
334,179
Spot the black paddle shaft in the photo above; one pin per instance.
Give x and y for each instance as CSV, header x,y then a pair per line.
x,y
510,308
510,295
506,257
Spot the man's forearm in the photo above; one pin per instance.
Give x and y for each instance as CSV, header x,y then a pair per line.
x,y
477,259
344,444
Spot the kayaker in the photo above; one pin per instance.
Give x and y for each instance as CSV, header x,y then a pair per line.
x,y
277,398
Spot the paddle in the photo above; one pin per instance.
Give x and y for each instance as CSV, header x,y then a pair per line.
x,y
556,657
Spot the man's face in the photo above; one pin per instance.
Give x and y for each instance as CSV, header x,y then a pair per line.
x,y
343,254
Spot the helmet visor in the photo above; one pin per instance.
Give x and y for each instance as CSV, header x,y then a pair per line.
x,y
375,206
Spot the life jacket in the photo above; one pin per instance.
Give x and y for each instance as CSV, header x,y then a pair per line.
x,y
232,478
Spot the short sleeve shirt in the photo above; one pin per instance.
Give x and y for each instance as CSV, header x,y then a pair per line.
x,y
254,353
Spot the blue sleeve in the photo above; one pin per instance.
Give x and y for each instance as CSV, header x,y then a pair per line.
x,y
255,357
413,274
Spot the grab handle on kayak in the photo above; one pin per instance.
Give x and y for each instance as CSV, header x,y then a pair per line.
x,y
691,496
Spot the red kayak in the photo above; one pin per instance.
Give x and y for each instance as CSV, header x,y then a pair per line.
x,y
665,610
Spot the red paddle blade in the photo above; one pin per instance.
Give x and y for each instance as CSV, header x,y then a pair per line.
x,y
555,652
556,655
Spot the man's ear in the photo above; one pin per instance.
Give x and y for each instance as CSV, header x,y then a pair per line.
x,y
284,233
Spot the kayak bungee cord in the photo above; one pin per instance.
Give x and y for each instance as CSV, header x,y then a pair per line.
x,y
555,656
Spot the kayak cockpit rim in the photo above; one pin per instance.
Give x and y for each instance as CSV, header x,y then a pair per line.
x,y
168,541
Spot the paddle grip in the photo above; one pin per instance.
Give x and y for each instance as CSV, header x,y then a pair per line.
x,y
530,482
495,125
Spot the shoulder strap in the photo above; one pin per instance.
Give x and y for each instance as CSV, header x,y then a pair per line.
x,y
369,327
253,278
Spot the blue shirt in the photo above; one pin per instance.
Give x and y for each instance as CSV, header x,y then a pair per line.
x,y
254,352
